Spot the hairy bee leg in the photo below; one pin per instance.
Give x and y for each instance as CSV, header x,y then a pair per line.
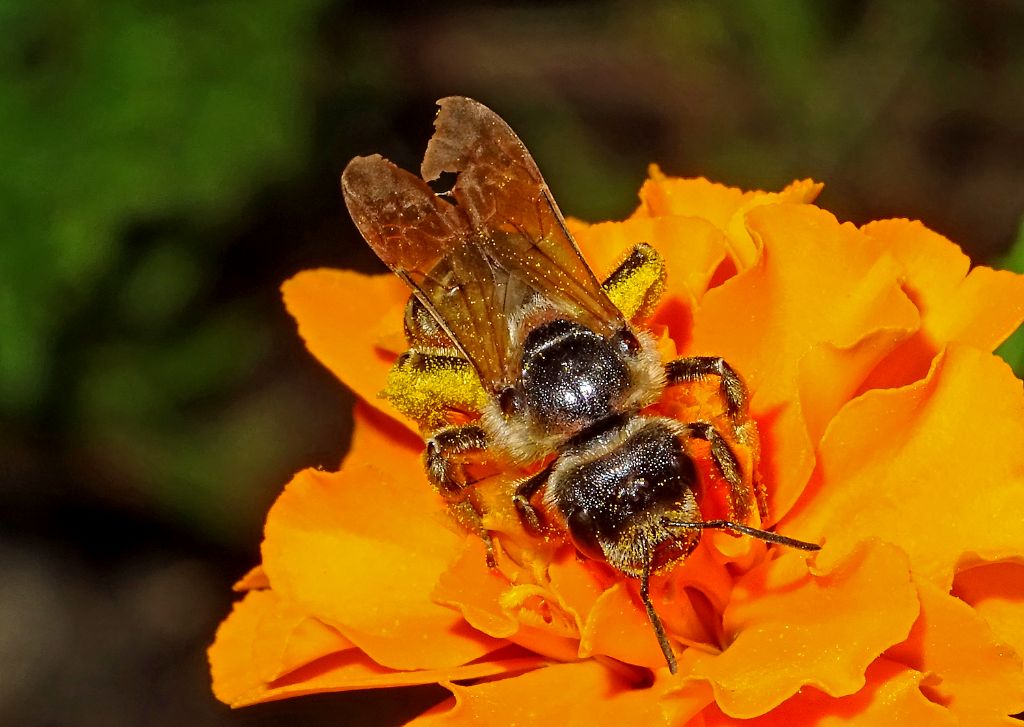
x,y
426,385
445,453
636,285
526,490
727,465
422,330
467,514
698,368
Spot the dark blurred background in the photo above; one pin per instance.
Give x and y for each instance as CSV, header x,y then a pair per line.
x,y
167,165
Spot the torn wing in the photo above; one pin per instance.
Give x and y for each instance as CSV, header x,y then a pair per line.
x,y
426,242
475,264
511,212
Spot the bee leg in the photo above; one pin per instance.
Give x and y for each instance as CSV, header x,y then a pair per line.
x,y
728,467
421,329
427,384
525,490
447,450
698,368
636,285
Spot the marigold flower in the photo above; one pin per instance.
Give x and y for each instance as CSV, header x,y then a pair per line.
x,y
890,433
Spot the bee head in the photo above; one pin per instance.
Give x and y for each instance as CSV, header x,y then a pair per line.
x,y
619,494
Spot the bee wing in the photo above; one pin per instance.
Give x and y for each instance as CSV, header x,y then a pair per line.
x,y
426,241
511,212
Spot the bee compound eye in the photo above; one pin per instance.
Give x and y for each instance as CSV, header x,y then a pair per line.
x,y
510,401
626,342
583,531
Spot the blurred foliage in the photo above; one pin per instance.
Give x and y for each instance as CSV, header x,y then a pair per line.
x,y
130,131
118,112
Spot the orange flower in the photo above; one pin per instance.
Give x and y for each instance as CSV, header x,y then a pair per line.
x,y
890,433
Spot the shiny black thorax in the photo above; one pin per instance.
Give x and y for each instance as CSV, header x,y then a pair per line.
x,y
616,467
570,377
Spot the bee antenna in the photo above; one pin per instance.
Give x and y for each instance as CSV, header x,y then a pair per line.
x,y
659,628
765,535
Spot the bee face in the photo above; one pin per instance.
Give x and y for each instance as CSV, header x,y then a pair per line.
x,y
515,336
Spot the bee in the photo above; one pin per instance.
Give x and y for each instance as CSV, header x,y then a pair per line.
x,y
518,353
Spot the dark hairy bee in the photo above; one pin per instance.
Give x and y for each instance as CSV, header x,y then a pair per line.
x,y
548,367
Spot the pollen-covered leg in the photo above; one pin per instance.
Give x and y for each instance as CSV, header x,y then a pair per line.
x,y
699,368
636,285
447,451
427,385
722,456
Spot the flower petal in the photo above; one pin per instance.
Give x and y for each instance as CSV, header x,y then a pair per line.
x,y
380,439
817,283
662,196
357,346
979,308
581,694
936,467
269,649
263,639
891,696
724,207
996,592
254,580
792,625
527,615
980,679
363,553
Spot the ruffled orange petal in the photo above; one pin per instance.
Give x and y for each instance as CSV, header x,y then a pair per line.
x,y
510,603
791,625
979,308
662,196
996,592
891,696
357,348
818,284
936,467
979,679
363,552
269,649
263,639
577,695
724,207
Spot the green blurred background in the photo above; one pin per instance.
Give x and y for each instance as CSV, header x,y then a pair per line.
x,y
167,165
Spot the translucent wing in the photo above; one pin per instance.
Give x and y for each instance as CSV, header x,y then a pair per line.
x,y
510,209
427,243
475,264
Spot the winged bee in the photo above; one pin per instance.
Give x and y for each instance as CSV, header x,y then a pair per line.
x,y
559,375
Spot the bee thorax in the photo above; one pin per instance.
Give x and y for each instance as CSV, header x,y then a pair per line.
x,y
571,376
